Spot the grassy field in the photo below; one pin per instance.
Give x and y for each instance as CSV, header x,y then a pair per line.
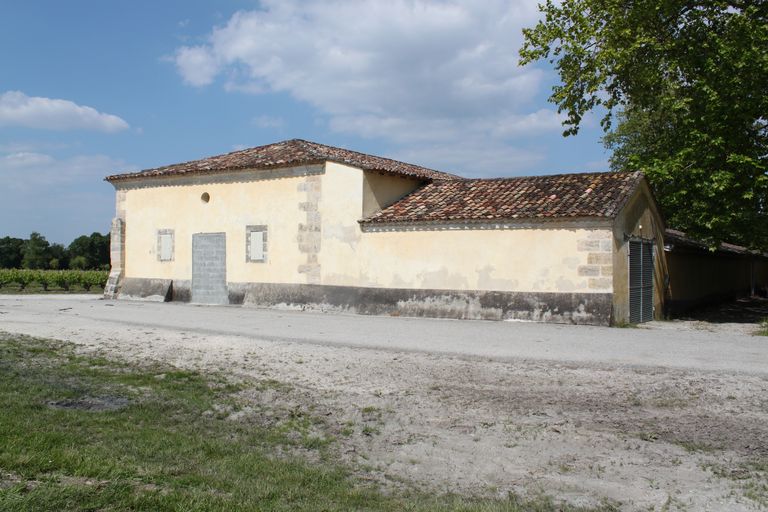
x,y
85,433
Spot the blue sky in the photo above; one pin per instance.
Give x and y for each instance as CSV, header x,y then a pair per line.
x,y
90,88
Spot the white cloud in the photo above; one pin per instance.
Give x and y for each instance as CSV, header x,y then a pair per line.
x,y
351,56
541,121
18,109
30,146
433,73
31,171
196,65
268,122
23,160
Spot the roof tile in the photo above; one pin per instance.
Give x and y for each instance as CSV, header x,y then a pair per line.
x,y
533,197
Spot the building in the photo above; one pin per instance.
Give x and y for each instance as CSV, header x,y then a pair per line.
x,y
302,225
700,275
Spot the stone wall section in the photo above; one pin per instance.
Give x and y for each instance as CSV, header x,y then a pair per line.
x,y
309,233
598,246
116,249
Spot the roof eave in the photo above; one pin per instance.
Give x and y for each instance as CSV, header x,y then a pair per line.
x,y
509,220
150,173
137,176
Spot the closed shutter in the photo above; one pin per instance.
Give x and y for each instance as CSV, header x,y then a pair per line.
x,y
647,282
166,246
635,282
640,281
256,245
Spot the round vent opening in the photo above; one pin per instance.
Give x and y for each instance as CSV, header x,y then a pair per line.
x,y
205,197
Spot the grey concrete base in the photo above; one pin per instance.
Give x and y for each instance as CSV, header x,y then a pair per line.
x,y
477,305
155,290
576,308
181,291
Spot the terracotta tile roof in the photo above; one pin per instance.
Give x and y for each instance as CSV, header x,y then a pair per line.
x,y
284,154
533,197
676,240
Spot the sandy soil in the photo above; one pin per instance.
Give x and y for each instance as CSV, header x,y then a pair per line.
x,y
648,437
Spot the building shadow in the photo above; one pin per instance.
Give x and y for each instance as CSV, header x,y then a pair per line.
x,y
746,310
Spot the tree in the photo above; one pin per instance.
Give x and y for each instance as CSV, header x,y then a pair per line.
x,y
58,257
90,251
80,250
100,248
36,252
11,252
686,81
78,263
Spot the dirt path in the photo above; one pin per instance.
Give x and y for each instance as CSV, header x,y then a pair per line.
x,y
648,436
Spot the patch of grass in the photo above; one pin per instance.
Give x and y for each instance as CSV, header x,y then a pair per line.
x,y
266,384
763,329
690,446
624,325
751,475
348,429
693,446
85,433
669,402
648,436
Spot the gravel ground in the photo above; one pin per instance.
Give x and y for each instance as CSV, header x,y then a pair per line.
x,y
671,416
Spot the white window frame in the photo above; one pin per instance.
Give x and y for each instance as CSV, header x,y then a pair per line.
x,y
161,233
256,258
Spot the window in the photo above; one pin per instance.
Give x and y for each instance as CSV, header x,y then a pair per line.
x,y
256,244
164,245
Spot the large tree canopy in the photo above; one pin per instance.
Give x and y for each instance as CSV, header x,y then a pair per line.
x,y
85,252
682,85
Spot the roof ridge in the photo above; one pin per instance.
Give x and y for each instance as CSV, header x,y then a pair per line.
x,y
630,174
558,175
285,153
365,155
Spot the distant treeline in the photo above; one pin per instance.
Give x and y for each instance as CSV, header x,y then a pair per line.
x,y
84,253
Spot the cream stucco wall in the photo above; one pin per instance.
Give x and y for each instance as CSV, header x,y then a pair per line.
x,y
543,257
177,205
511,259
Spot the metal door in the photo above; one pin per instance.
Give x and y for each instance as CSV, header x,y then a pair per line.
x,y
209,268
640,281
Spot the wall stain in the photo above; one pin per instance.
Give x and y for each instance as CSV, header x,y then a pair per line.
x,y
442,279
486,281
346,234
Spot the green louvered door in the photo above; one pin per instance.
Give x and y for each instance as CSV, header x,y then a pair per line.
x,y
640,281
